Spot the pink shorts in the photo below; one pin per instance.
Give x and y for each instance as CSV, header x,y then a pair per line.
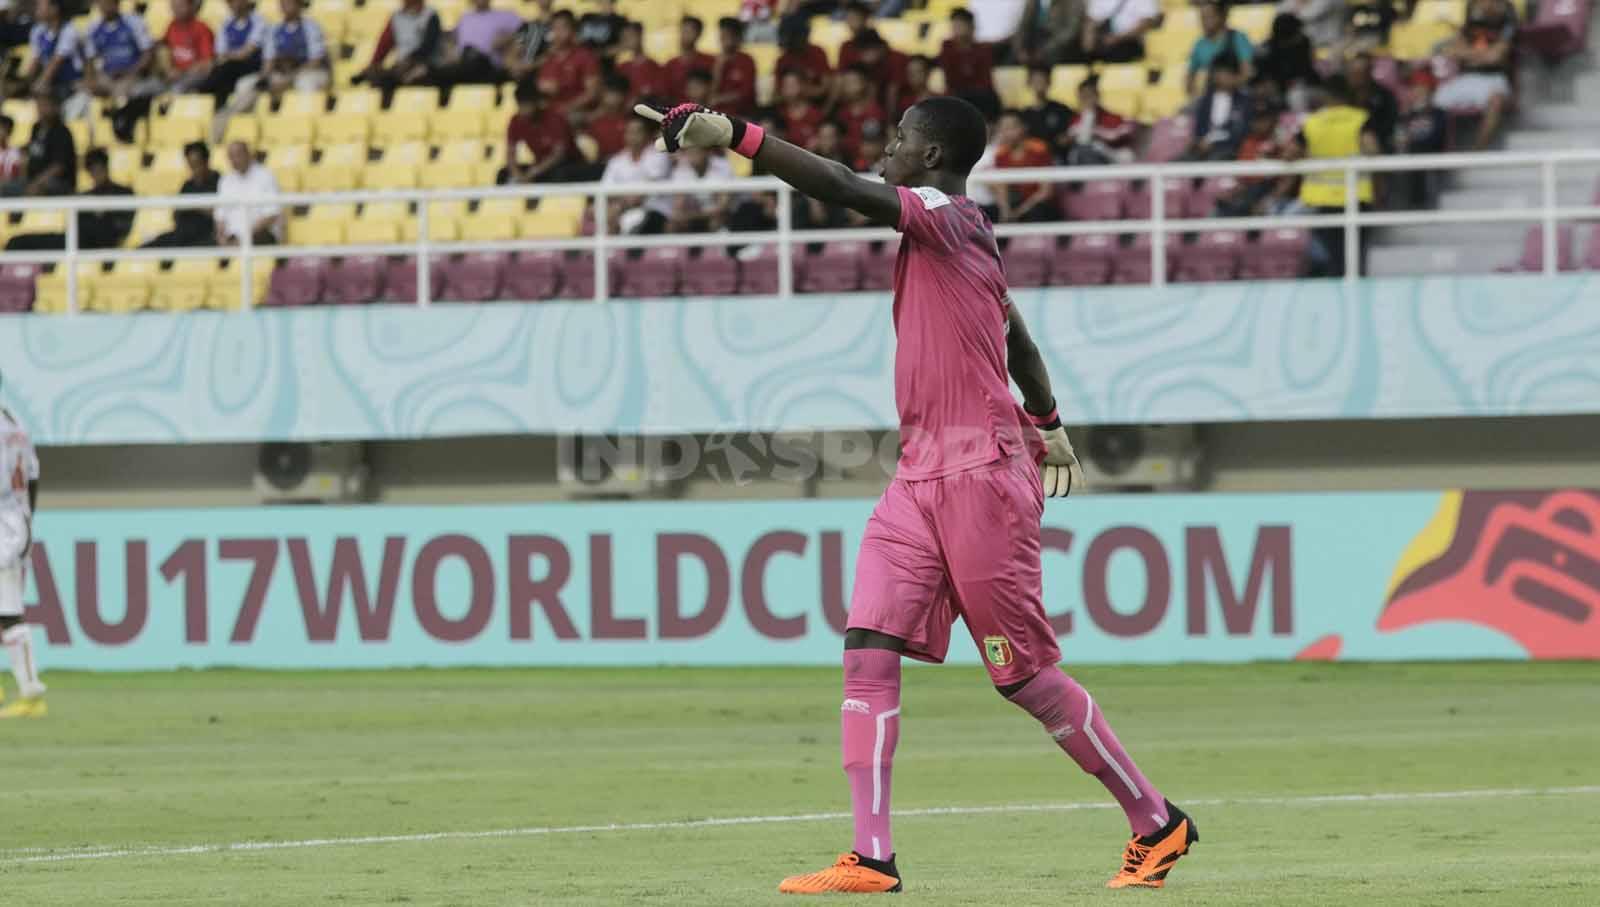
x,y
961,545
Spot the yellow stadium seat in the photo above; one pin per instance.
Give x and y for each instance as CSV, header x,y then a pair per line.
x,y
765,55
1416,40
291,180
410,154
200,107
1453,12
472,97
326,177
502,207
448,209
461,153
742,166
485,173
122,291
366,23
247,129
829,35
1064,82
387,211
1123,77
393,128
381,175
899,33
125,162
340,212
1011,84
1176,75
42,222
183,289
290,157
166,132
337,128
440,229
1186,18
934,40
1123,102
1169,46
546,225
51,289
489,228
1254,19
353,154
358,101
287,129
661,42
300,104
331,17
1162,101
458,125
448,175
305,231
157,182
415,100
373,232
222,286
148,223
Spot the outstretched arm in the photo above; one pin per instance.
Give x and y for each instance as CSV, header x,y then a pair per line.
x,y
1027,366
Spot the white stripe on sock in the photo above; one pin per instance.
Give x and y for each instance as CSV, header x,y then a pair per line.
x,y
877,848
882,721
1088,728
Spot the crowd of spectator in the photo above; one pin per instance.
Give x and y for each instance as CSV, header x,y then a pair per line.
x,y
575,79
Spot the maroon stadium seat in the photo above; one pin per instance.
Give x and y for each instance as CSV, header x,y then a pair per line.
x,y
298,281
1214,256
714,272
356,281
877,269
1169,139
1098,200
577,276
1131,263
1559,30
758,274
533,275
1203,201
1279,254
835,268
400,279
1176,196
1532,259
656,273
1086,261
16,287
1027,260
474,277
1591,255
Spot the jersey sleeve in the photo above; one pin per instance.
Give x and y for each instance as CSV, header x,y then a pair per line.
x,y
925,218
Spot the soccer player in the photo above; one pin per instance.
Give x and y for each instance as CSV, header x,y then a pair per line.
x,y
19,491
957,531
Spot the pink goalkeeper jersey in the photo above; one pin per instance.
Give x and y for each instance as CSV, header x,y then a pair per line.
x,y
950,379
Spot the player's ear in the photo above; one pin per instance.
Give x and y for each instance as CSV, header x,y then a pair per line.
x,y
932,156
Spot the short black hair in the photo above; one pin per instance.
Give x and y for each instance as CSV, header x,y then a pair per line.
x,y
869,37
1041,68
1337,88
962,14
698,75
566,14
618,82
199,148
1092,83
730,24
958,127
859,70
859,6
633,25
526,91
7,122
699,27
96,157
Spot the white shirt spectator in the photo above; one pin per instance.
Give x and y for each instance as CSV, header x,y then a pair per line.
x,y
1123,15
651,166
256,185
996,20
717,168
982,193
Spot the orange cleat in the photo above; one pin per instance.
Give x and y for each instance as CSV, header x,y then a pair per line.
x,y
853,874
1148,859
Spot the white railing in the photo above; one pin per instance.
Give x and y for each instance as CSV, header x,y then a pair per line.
x,y
1548,214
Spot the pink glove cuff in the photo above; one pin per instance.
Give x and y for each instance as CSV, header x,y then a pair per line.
x,y
1049,419
750,142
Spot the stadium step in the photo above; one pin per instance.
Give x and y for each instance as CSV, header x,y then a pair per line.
x,y
1556,117
1525,178
1434,258
1503,235
1544,139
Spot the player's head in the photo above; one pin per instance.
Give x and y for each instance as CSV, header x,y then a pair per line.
x,y
1336,91
1420,86
854,83
1011,129
1213,17
614,92
918,70
730,32
794,33
291,9
636,136
1089,93
829,139
1225,75
241,8
198,157
697,86
871,46
632,36
1039,81
47,11
183,10
239,157
1358,71
689,31
97,164
563,28
942,135
108,8
856,15
792,86
962,25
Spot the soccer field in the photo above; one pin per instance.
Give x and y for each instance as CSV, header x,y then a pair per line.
x,y
1315,784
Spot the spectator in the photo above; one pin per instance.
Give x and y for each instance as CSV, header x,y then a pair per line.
x,y
734,75
981,191
885,66
857,108
1014,147
15,24
12,164
483,39
121,56
96,229
1322,20
705,212
1097,136
611,118
1423,128
52,156
697,88
191,49
1216,39
539,144
1222,114
871,149
1369,22
1259,195
1116,29
1342,128
969,66
858,21
244,33
1375,99
1050,32
760,18
294,55
57,54
261,217
809,213
407,51
800,118
192,226
522,54
689,58
809,60
637,162
645,76
569,77
919,70
1483,51
1047,120
601,31
1287,63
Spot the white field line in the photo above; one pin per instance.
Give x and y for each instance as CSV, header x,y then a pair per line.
x,y
18,857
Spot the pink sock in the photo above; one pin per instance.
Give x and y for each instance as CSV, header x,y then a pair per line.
x,y
869,727
1068,713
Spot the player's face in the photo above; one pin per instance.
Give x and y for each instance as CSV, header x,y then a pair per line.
x,y
903,157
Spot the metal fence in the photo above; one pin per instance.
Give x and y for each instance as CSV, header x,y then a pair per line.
x,y
1548,214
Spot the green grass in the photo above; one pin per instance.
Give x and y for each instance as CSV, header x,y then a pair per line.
x,y
166,760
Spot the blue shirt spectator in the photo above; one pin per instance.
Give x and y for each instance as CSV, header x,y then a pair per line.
x,y
1216,39
296,40
57,49
118,42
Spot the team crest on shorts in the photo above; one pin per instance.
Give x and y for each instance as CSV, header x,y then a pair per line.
x,y
998,650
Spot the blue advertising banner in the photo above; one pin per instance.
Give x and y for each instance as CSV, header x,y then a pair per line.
x,y
1389,348
1126,579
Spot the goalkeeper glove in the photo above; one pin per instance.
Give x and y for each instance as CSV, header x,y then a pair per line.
x,y
1061,472
694,126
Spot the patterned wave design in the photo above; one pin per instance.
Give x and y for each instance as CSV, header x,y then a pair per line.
x,y
1306,349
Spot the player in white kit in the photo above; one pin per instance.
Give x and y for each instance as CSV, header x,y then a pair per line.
x,y
19,491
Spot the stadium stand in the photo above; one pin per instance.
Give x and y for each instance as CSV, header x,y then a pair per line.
x,y
440,130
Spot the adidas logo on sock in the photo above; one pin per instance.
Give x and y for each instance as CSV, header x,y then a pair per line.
x,y
855,705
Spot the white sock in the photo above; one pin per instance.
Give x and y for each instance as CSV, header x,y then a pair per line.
x,y
19,648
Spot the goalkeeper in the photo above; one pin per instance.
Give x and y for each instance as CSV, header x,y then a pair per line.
x,y
957,532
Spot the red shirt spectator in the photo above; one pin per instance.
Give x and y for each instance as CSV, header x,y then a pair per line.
x,y
566,74
688,59
645,76
544,133
915,86
733,80
1030,152
801,120
811,62
606,129
968,67
189,41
